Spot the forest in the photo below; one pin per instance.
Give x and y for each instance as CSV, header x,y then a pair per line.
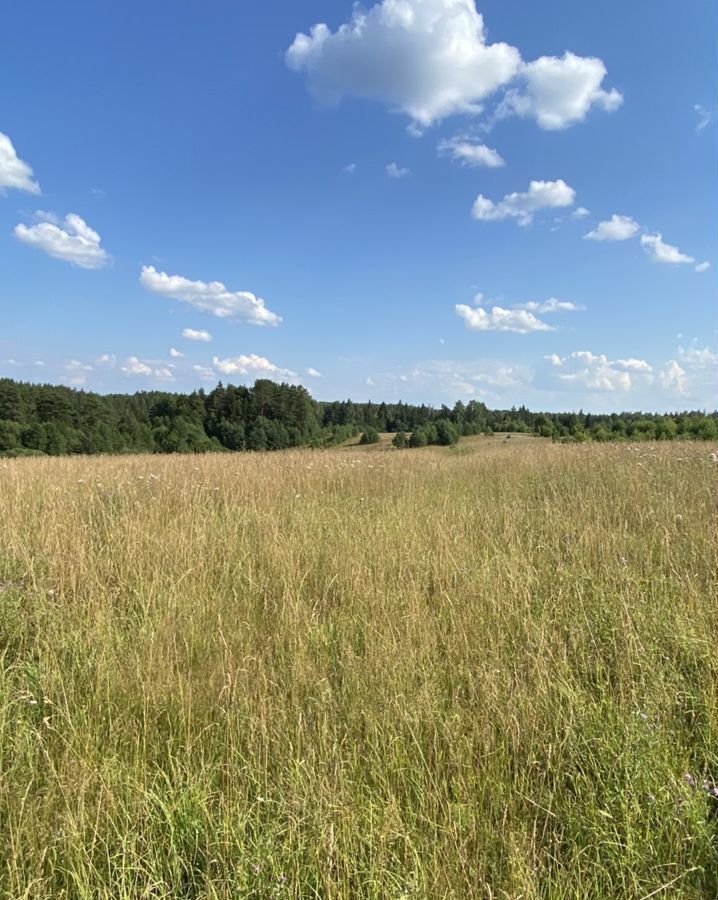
x,y
57,420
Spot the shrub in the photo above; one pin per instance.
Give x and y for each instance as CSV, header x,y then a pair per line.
x,y
370,436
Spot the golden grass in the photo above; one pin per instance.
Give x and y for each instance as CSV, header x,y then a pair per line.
x,y
478,672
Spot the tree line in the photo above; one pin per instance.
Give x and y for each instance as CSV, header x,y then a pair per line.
x,y
57,420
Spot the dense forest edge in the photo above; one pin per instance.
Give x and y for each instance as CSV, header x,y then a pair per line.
x,y
56,420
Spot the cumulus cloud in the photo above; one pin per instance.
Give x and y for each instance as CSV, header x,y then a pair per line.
x,y
250,365
580,213
523,206
74,365
137,367
426,58
193,334
312,373
698,358
71,240
633,365
661,252
693,374
204,372
484,379
622,228
175,354
560,91
430,59
597,372
673,378
520,321
550,306
106,359
395,171
14,172
209,297
77,372
617,228
469,153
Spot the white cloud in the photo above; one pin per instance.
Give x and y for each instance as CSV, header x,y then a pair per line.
x,y
580,213
622,228
14,173
137,367
519,321
72,240
350,169
484,379
597,372
394,171
661,252
617,228
673,378
78,372
106,359
204,372
426,58
523,206
210,297
633,365
468,153
193,334
705,116
430,59
175,354
693,374
250,365
74,365
695,358
560,91
312,373
551,305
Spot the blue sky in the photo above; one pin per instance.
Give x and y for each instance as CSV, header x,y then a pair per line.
x,y
394,205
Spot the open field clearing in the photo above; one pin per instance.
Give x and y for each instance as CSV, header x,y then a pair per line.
x,y
480,672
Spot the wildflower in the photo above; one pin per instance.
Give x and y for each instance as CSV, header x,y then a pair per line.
x,y
689,780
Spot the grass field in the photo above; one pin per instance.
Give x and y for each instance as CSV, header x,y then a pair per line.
x,y
479,672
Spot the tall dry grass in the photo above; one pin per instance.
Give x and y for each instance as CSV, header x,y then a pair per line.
x,y
470,673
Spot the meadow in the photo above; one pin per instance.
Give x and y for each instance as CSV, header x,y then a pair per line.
x,y
486,671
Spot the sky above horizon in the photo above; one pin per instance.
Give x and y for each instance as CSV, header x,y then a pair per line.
x,y
425,200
